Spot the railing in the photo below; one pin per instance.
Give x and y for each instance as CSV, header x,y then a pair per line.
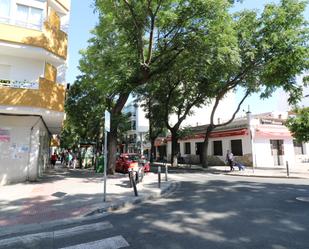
x,y
19,84
20,23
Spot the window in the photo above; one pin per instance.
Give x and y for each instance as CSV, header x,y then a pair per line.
x,y
133,125
298,148
217,145
187,148
5,72
198,148
236,146
29,17
5,11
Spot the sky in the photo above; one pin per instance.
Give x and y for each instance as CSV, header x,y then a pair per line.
x,y
83,20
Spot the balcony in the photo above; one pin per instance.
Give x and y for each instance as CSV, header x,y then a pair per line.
x,y
45,94
49,38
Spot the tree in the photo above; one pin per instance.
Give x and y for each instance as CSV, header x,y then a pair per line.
x,y
272,50
299,125
84,107
136,40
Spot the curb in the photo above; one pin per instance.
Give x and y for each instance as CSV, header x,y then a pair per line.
x,y
97,213
121,204
259,176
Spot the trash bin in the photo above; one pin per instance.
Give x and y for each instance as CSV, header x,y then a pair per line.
x,y
100,166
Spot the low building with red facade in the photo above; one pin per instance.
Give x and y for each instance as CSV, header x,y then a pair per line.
x,y
260,140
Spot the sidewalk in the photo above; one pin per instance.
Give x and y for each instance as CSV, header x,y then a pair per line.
x,y
300,171
63,194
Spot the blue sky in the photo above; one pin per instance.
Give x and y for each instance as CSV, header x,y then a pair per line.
x,y
83,19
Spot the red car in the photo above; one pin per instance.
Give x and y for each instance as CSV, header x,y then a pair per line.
x,y
133,161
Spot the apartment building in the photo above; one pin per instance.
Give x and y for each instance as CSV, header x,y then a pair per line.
x,y
33,54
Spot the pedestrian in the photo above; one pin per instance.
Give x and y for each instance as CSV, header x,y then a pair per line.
x,y
53,159
74,160
70,159
230,159
62,157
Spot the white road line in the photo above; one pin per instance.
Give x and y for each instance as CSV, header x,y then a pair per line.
x,y
26,239
109,243
30,238
82,229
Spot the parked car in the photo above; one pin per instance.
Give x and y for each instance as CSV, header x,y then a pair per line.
x,y
132,161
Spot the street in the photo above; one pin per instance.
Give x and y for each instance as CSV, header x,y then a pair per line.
x,y
203,211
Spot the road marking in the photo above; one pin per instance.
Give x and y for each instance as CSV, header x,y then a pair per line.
x,y
82,229
109,243
30,238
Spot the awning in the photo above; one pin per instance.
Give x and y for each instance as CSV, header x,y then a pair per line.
x,y
231,133
272,133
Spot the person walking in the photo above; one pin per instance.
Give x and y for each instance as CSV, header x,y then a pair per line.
x,y
53,159
230,159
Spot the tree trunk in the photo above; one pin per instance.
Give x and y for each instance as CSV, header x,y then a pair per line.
x,y
205,153
174,155
152,150
205,146
112,151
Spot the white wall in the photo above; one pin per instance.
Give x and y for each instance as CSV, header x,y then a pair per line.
x,y
226,145
264,158
142,123
201,116
21,157
23,69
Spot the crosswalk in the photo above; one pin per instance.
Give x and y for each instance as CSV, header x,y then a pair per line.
x,y
76,237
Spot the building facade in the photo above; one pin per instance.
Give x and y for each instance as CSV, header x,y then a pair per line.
x,y
33,55
136,137
259,140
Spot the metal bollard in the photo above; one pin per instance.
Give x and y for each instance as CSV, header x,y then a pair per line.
x,y
132,181
287,169
159,176
166,172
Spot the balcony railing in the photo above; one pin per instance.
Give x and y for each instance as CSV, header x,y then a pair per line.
x,y
20,23
19,84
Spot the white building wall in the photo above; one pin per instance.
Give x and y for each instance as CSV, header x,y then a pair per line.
x,y
264,158
22,158
263,152
201,116
23,68
142,123
289,154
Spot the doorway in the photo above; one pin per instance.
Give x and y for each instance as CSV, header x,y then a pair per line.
x,y
277,151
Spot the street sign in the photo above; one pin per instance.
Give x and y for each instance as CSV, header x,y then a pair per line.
x,y
107,125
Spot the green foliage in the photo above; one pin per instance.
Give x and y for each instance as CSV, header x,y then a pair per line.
x,y
84,106
299,125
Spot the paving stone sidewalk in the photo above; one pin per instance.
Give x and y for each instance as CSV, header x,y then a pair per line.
x,y
62,194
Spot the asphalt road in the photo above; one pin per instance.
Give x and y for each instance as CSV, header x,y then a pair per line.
x,y
204,211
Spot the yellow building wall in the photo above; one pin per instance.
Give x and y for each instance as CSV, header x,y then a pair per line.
x,y
50,96
54,20
51,39
50,72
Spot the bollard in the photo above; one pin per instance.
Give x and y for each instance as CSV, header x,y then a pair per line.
x,y
287,169
166,171
159,176
132,182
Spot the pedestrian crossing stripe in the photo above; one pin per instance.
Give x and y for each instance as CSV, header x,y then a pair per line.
x,y
58,234
109,243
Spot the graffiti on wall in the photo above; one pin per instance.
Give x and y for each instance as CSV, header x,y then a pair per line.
x,y
4,135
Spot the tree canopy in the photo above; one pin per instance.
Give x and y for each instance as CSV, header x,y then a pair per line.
x,y
299,124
